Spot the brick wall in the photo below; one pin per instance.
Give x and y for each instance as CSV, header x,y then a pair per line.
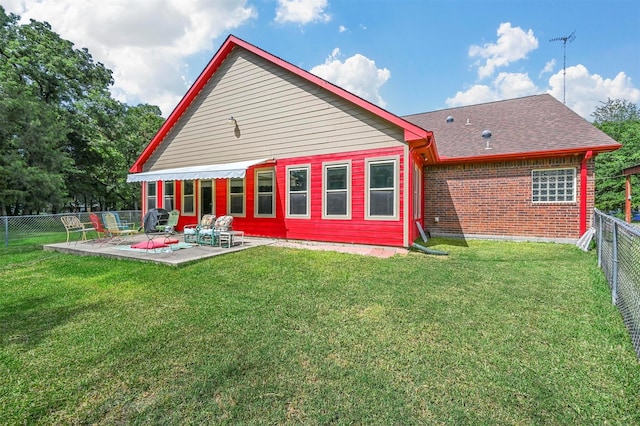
x,y
494,200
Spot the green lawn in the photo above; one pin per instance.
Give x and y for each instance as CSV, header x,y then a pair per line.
x,y
494,333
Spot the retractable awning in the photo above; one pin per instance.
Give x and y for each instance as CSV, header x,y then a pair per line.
x,y
212,171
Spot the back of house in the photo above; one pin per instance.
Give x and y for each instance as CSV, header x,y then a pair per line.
x,y
292,156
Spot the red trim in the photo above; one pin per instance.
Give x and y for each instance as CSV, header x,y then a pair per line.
x,y
631,170
411,131
528,155
583,192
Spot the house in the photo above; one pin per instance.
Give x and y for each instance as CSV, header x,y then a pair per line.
x,y
520,168
293,156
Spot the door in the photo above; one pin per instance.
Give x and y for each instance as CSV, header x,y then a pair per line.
x,y
207,197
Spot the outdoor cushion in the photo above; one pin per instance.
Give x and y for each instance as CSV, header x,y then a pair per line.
x,y
152,244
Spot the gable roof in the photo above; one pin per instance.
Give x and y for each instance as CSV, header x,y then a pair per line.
x,y
413,134
533,126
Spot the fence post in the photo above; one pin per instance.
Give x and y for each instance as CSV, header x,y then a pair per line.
x,y
600,220
6,231
614,274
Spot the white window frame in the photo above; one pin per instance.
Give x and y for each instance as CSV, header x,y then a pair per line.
x,y
171,197
289,169
152,195
395,160
256,203
243,195
188,197
549,185
325,189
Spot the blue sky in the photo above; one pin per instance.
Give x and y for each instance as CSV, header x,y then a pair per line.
x,y
406,56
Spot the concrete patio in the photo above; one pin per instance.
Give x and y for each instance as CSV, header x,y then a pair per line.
x,y
123,250
167,256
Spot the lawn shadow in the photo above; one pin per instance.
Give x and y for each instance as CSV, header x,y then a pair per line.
x,y
29,321
446,241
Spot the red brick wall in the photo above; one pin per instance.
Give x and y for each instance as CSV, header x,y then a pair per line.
x,y
494,200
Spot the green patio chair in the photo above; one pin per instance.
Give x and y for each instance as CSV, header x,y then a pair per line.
x,y
172,222
192,231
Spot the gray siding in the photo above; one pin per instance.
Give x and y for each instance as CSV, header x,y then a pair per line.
x,y
279,115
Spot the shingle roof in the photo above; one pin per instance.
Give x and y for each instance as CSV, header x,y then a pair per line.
x,y
532,126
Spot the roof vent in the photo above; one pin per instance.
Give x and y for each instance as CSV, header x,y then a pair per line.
x,y
450,119
468,123
486,135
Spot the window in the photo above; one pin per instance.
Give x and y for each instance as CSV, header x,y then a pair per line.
x,y
188,197
151,196
298,192
337,191
168,196
553,186
265,193
236,196
381,189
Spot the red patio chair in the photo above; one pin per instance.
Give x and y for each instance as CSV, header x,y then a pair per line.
x,y
97,226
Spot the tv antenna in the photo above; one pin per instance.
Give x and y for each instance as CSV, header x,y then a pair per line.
x,y
564,41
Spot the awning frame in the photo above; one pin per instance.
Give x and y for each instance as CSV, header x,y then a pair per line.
x,y
210,171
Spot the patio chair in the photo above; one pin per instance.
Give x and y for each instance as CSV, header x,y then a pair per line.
x,y
116,234
191,231
169,226
97,226
73,224
122,224
210,234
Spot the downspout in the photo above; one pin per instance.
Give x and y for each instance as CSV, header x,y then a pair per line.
x,y
627,199
421,161
583,192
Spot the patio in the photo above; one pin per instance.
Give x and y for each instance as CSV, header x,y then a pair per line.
x,y
197,252
185,253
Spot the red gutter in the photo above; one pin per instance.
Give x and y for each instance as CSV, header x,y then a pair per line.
x,y
527,155
411,131
583,192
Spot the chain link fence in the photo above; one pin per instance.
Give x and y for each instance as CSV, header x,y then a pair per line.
x,y
619,257
19,228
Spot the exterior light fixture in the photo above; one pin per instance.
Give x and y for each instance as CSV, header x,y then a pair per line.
x,y
232,121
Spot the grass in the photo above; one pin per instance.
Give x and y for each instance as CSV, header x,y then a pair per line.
x,y
494,333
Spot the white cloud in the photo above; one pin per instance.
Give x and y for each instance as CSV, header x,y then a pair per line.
x,y
504,86
302,11
585,91
548,67
357,74
342,29
145,44
513,44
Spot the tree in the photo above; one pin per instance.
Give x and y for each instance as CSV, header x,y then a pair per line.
x,y
113,136
619,119
64,142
